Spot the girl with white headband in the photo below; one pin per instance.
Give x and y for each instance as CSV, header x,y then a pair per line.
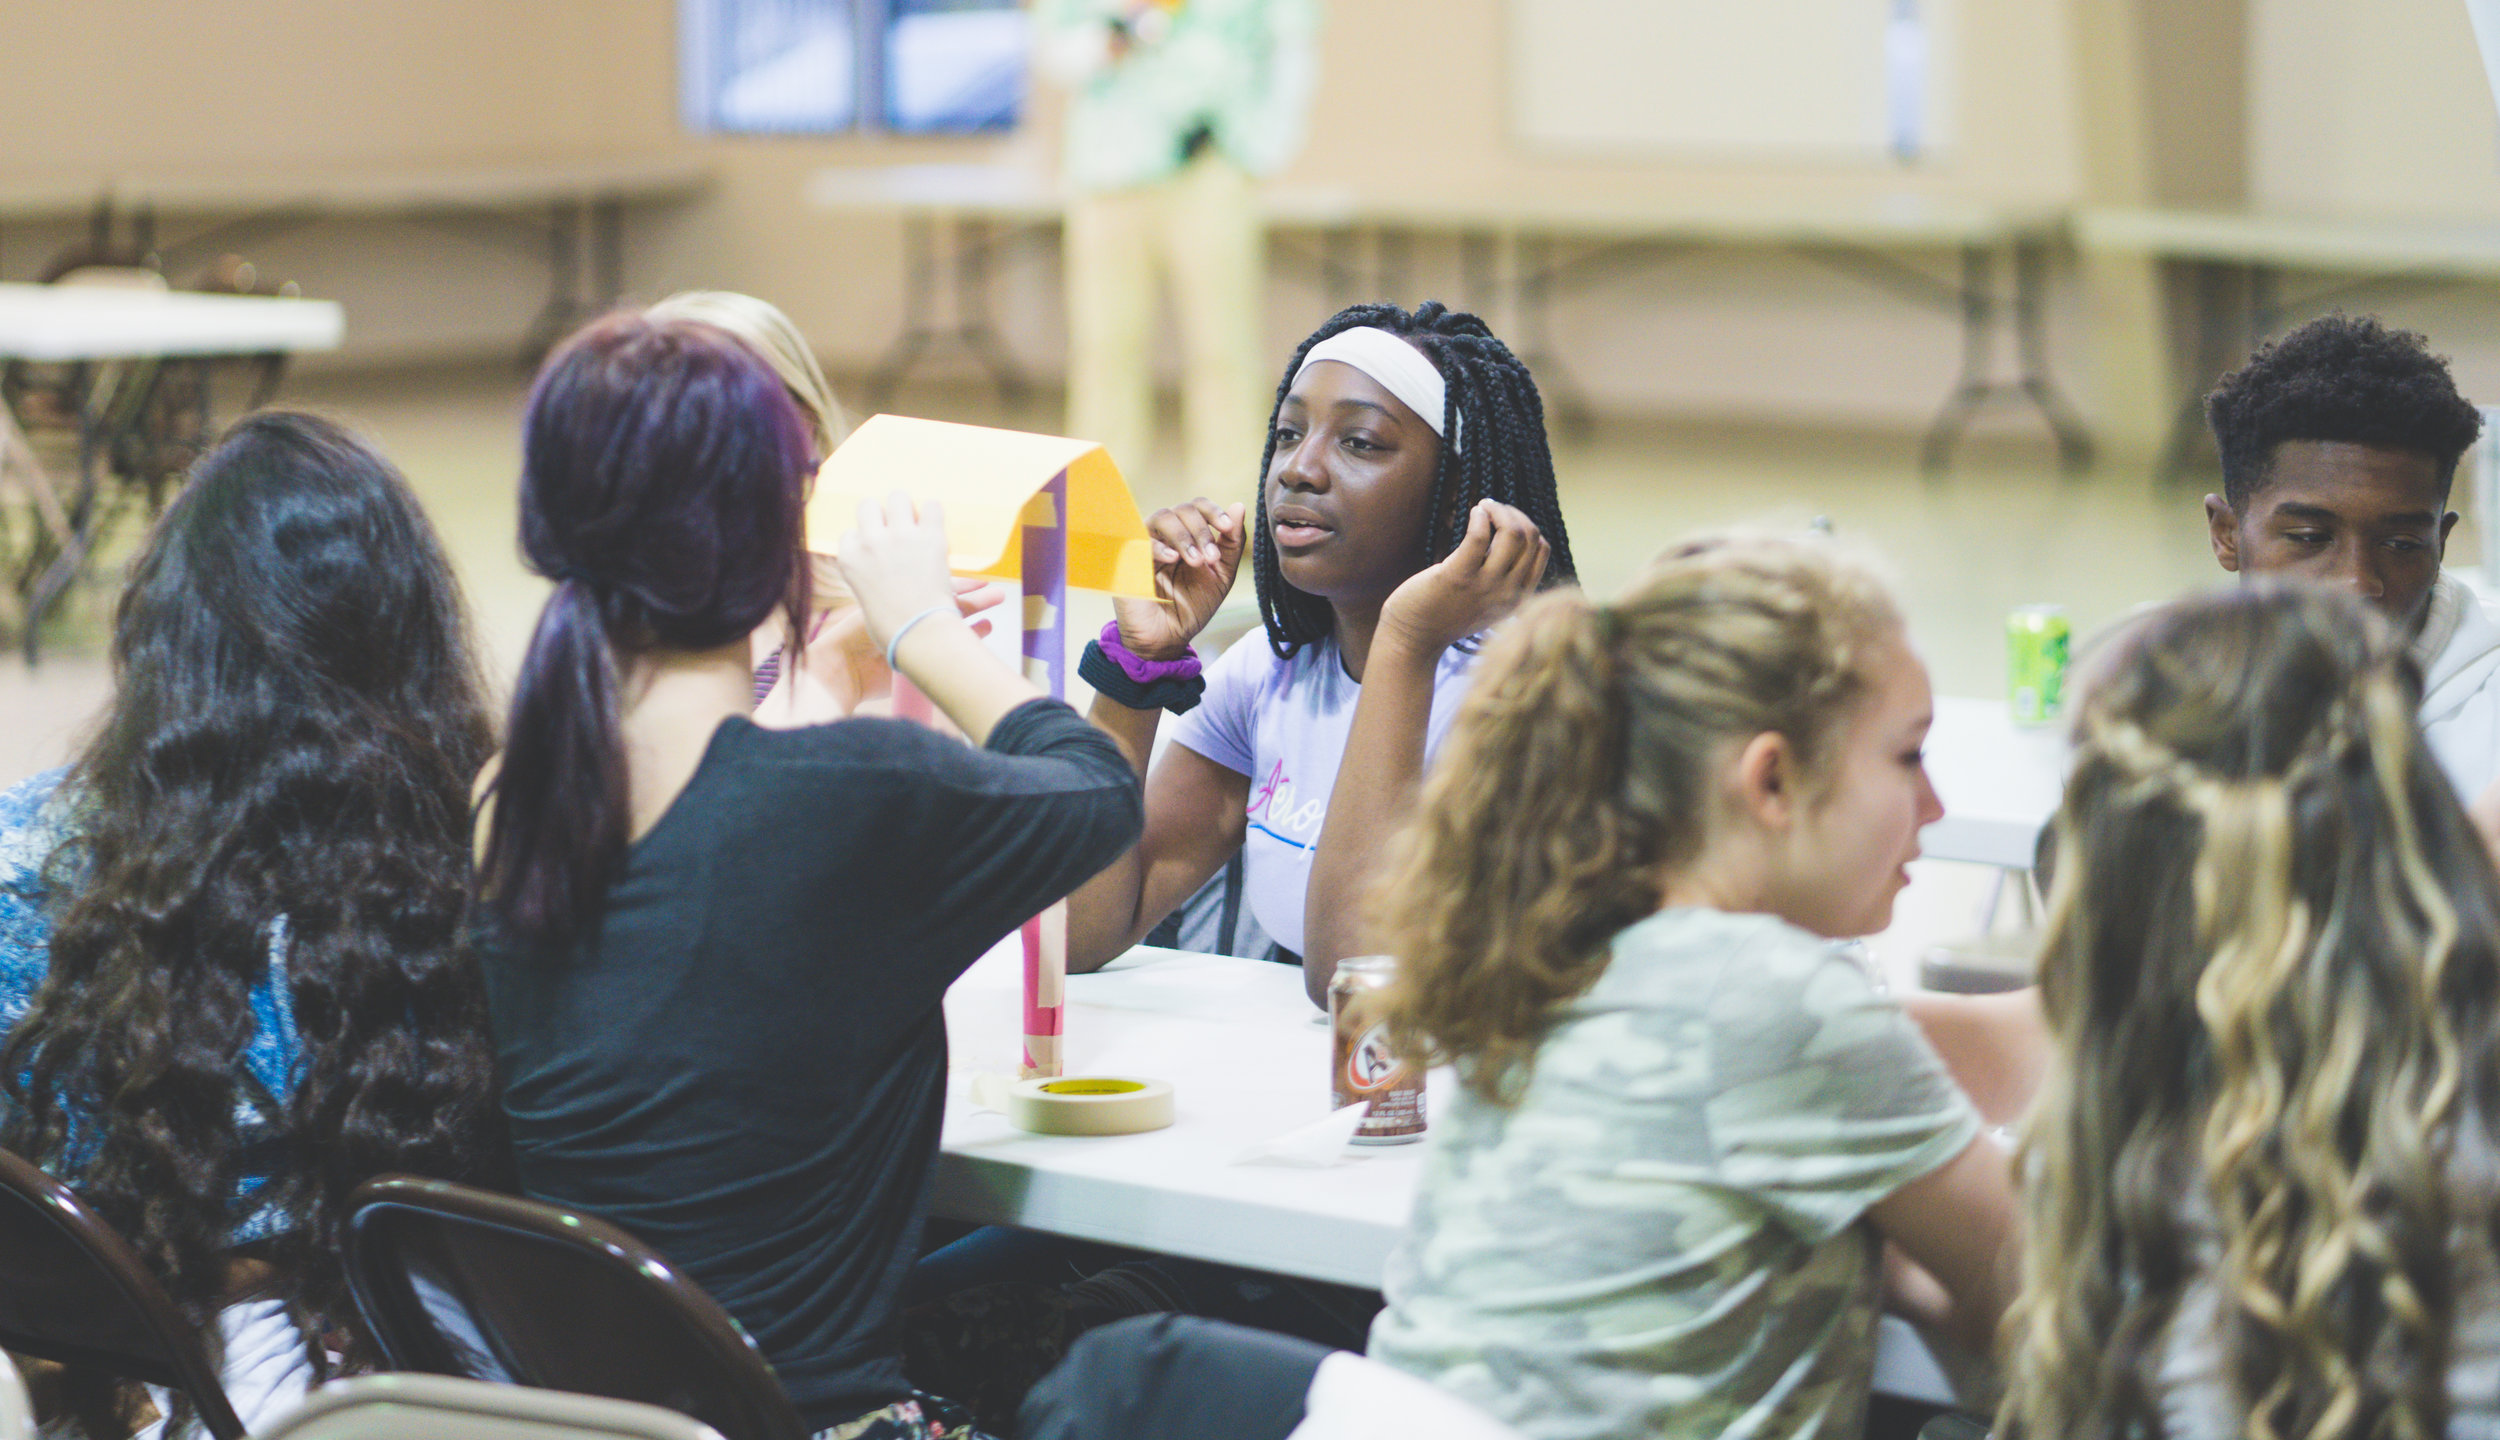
x,y
1406,503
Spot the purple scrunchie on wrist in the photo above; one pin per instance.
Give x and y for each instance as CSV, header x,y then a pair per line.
x,y
1141,670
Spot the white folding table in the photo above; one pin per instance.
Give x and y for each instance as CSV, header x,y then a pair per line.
x,y
1248,1061
114,326
1999,781
91,322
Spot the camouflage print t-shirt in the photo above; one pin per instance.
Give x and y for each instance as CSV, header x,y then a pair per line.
x,y
1661,1238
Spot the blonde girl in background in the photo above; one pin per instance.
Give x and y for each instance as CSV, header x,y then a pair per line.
x,y
1646,1213
760,326
844,673
2260,1177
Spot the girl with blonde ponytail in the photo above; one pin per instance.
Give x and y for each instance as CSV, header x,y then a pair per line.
x,y
2261,1176
1613,914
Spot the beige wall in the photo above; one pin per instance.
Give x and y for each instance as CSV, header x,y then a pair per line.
x,y
2370,107
157,87
2367,105
1446,116
2379,108
1414,93
113,84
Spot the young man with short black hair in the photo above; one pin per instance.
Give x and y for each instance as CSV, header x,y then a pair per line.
x,y
2339,442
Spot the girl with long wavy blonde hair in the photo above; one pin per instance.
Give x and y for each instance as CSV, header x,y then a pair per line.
x,y
2260,1176
1645,1213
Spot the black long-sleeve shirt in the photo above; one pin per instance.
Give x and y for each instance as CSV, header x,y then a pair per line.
x,y
746,1066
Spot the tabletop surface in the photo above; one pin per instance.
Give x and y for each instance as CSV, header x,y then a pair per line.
x,y
1016,193
83,322
493,185
2328,242
1238,1040
1999,781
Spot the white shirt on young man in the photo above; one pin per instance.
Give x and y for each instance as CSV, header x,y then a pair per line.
x,y
2196,1396
2459,649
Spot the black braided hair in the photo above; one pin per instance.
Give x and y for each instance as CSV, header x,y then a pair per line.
x,y
1494,409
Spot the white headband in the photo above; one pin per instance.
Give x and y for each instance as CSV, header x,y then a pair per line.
x,y
1398,367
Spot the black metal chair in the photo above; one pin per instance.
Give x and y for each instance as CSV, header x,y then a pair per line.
x,y
73,1291
455,1281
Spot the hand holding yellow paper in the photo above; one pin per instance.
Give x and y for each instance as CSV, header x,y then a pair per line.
x,y
1042,510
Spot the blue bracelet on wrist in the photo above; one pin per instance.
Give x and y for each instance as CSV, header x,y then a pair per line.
x,y
896,644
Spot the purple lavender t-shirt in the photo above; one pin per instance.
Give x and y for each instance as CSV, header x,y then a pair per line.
x,y
1283,723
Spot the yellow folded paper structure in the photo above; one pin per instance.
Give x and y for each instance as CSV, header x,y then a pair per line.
x,y
988,480
1043,511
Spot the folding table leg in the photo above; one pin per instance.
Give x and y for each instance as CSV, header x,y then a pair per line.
x,y
17,453
94,419
1476,270
1393,263
1978,305
18,460
2031,348
607,244
974,323
1534,279
562,306
920,282
2187,423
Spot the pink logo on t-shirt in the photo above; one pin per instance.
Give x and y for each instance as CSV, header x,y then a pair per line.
x,y
1272,810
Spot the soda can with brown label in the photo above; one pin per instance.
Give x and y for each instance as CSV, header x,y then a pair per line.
x,y
1366,1070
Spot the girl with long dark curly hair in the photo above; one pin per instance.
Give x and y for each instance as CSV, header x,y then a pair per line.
x,y
1406,502
2262,1179
231,933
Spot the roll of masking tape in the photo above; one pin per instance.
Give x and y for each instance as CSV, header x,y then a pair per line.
x,y
1089,1105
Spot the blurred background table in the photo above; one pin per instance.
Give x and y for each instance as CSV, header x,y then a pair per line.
x,y
1999,781
569,213
2239,262
960,221
116,346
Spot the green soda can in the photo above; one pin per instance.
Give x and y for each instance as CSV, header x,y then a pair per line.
x,y
2037,640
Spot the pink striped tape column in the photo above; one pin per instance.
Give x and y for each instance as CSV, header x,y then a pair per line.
x,y
1044,536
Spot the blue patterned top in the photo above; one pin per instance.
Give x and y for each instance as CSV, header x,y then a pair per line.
x,y
35,816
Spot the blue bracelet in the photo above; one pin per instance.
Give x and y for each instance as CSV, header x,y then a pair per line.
x,y
905,629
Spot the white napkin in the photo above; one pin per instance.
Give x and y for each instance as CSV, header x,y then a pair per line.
x,y
987,1090
1315,1146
